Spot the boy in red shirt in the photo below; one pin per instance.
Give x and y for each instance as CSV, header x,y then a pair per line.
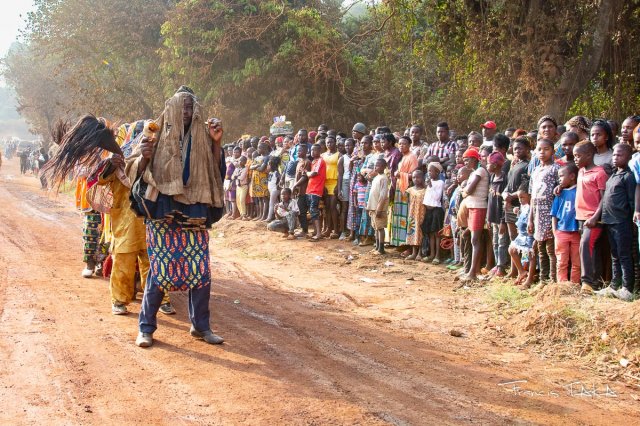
x,y
315,188
592,181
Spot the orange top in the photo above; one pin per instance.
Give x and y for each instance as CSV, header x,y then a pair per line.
x,y
406,166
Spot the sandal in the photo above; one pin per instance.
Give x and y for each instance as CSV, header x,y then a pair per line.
x,y
435,261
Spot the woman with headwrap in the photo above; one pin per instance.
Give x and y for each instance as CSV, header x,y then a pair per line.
x,y
183,172
580,126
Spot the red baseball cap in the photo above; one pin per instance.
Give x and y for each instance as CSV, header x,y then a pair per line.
x,y
489,125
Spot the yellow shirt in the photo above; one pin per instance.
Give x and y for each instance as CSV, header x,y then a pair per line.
x,y
129,234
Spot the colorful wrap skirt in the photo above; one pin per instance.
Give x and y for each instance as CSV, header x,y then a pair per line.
x,y
179,257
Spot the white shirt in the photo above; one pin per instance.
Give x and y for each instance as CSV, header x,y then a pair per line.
x,y
433,194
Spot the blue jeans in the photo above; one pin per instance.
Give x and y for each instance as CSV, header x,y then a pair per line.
x,y
621,240
314,206
198,308
500,247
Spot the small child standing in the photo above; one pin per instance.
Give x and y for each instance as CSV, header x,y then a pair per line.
x,y
417,210
592,181
273,182
495,214
378,204
565,225
286,213
521,248
543,181
617,215
360,189
241,180
434,215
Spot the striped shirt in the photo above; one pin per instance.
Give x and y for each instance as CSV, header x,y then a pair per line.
x,y
440,150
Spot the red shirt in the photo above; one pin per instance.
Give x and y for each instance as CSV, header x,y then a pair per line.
x,y
590,183
316,183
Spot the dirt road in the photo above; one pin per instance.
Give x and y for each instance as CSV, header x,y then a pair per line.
x,y
311,338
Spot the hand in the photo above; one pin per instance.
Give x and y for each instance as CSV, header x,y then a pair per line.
x,y
591,223
336,191
530,228
117,161
397,174
146,148
215,130
557,190
636,217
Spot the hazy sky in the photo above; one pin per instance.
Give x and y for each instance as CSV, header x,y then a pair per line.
x,y
11,21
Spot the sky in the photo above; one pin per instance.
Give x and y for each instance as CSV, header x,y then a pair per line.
x,y
12,19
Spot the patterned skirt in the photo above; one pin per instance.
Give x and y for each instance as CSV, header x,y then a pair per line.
x,y
91,235
399,217
179,257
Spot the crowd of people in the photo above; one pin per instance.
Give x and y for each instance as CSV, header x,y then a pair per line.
x,y
539,206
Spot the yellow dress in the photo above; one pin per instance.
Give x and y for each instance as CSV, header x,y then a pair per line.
x,y
331,161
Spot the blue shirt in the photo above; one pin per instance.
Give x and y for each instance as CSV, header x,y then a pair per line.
x,y
564,209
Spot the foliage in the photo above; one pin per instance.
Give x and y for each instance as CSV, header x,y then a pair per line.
x,y
393,61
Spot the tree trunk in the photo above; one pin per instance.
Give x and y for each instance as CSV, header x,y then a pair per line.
x,y
578,75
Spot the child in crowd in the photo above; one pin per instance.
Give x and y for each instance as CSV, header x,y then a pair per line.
x,y
567,142
434,215
344,181
286,216
544,179
592,182
565,226
495,213
602,138
456,218
475,196
299,188
360,188
273,182
521,248
617,211
517,180
378,204
417,211
317,175
259,189
230,194
241,181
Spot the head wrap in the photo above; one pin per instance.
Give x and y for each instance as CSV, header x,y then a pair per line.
x,y
312,136
580,122
471,152
547,118
165,171
496,158
436,165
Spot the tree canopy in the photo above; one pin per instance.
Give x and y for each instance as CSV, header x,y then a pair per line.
x,y
393,61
